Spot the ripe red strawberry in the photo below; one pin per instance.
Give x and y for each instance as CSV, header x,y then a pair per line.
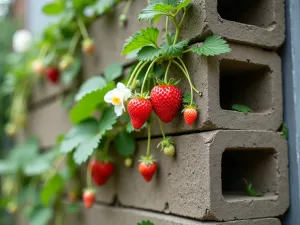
x,y
190,115
101,171
89,197
52,74
166,101
139,110
147,168
88,46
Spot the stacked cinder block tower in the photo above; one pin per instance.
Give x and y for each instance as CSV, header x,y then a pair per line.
x,y
203,184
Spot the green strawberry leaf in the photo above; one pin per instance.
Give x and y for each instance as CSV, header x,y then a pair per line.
x,y
213,45
113,71
40,216
250,190
103,6
129,127
125,144
51,188
148,53
90,85
175,50
187,98
149,14
144,37
241,108
87,105
145,223
54,8
285,131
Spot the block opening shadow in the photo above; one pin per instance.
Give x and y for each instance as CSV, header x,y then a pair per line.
x,y
256,165
259,13
246,84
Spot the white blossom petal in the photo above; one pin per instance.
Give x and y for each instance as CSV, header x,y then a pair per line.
x,y
22,41
108,96
119,109
121,86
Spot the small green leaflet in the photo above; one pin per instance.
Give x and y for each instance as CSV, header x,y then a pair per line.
x,y
92,84
241,108
85,137
144,37
113,71
148,53
145,223
187,98
125,144
69,74
251,191
285,131
104,5
175,50
87,105
213,45
53,8
40,216
51,188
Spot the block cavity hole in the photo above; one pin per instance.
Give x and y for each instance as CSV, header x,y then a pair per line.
x,y
246,84
253,12
256,165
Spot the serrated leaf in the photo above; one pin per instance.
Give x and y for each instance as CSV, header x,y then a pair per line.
x,y
87,105
104,5
129,127
241,108
187,98
148,53
108,119
144,37
175,50
125,144
250,190
148,222
53,8
165,9
92,84
149,14
40,216
113,71
51,188
213,45
183,4
69,74
37,166
78,134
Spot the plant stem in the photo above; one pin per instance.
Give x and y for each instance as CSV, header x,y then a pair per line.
x,y
183,64
149,140
133,73
147,73
43,51
167,70
167,31
82,28
161,128
188,78
127,6
181,21
73,43
177,30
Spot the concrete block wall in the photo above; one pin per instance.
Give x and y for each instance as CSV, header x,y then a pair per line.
x,y
203,184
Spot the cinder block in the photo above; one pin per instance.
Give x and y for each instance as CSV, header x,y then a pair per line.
x,y
248,76
117,216
205,180
259,22
47,122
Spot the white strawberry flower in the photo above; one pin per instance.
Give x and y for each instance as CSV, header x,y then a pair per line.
x,y
22,41
118,97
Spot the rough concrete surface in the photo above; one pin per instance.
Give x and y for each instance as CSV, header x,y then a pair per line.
x,y
116,216
200,183
248,76
259,23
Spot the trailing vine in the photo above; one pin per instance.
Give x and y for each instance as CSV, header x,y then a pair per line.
x,y
124,103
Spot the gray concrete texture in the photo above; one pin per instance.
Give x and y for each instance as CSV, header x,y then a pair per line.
x,y
205,180
102,215
259,22
248,76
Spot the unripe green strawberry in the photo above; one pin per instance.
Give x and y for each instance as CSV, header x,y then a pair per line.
x,y
88,46
128,162
166,101
65,62
169,150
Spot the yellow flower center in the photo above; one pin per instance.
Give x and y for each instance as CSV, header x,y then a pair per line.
x,y
116,100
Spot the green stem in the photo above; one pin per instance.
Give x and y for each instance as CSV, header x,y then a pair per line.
x,y
43,51
187,72
147,73
188,78
133,73
177,30
167,70
82,28
181,21
161,128
127,6
186,51
73,43
149,140
167,31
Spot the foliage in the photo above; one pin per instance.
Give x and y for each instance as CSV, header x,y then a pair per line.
x,y
241,108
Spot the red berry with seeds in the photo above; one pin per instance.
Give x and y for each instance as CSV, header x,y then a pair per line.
x,y
166,101
89,197
101,171
52,73
190,115
139,110
147,168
